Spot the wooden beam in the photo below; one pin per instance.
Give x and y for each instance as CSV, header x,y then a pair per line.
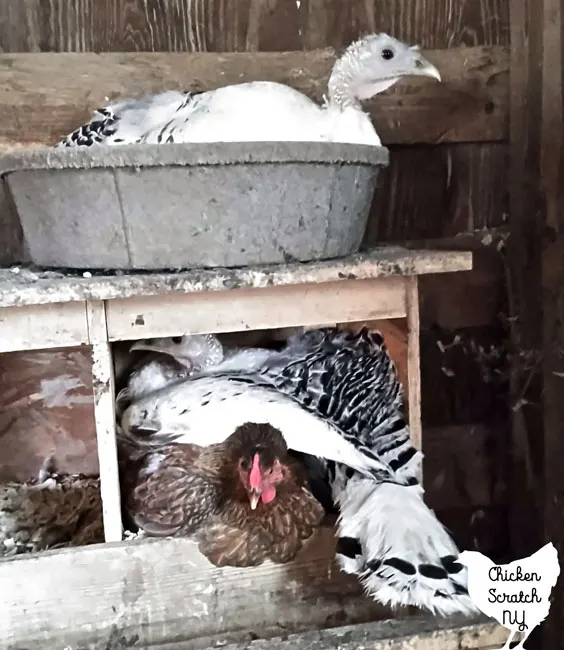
x,y
38,327
537,281
166,591
103,388
44,96
240,309
153,593
413,361
422,633
34,287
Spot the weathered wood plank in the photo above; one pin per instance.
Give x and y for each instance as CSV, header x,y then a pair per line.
x,y
432,192
29,287
420,633
42,97
165,592
34,327
413,361
123,25
103,388
431,23
239,309
234,25
536,255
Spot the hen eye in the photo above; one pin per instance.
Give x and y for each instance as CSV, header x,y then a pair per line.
x,y
177,339
245,465
387,54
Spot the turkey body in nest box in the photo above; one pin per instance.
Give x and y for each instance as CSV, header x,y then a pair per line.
x,y
263,110
244,500
164,361
336,398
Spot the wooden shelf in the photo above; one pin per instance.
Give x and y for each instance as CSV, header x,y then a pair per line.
x,y
34,287
40,310
131,588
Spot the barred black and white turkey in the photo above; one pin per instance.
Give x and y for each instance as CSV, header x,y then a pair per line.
x,y
263,110
335,396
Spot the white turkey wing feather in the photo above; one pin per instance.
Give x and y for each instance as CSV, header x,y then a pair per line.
x,y
206,410
253,111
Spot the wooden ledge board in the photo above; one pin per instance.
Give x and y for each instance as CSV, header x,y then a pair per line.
x,y
421,633
158,594
47,95
165,591
30,287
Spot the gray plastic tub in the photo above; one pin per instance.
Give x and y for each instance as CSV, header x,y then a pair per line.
x,y
192,205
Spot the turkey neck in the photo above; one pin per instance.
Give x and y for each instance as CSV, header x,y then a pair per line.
x,y
347,85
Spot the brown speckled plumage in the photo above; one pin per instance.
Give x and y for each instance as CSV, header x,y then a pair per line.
x,y
186,490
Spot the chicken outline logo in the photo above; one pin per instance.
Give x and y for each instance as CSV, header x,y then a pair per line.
x,y
517,594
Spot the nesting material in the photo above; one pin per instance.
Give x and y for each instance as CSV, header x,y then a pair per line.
x,y
192,205
50,512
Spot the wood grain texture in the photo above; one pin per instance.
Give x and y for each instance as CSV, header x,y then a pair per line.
x,y
423,633
45,96
103,389
413,361
165,592
430,23
236,25
124,25
431,192
536,255
33,327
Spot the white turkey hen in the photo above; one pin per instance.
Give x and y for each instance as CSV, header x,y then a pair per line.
x,y
335,396
263,110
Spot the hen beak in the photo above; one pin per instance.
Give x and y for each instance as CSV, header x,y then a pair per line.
x,y
254,498
426,69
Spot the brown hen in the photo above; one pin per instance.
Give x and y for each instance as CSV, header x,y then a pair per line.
x,y
244,500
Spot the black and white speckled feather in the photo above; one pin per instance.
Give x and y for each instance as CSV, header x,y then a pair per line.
x,y
129,121
334,395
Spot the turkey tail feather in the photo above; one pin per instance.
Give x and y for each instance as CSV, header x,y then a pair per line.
x,y
401,553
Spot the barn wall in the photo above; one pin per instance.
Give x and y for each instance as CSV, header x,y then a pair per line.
x,y
431,191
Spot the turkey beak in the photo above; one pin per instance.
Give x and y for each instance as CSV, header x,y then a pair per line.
x,y
254,498
426,68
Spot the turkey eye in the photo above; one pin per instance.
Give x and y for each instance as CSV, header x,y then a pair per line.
x,y
387,54
177,339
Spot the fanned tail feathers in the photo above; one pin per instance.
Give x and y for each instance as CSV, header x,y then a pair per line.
x,y
400,551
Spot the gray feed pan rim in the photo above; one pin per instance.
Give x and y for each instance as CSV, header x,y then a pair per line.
x,y
193,154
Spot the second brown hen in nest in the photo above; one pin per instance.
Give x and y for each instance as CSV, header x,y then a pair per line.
x,y
244,501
